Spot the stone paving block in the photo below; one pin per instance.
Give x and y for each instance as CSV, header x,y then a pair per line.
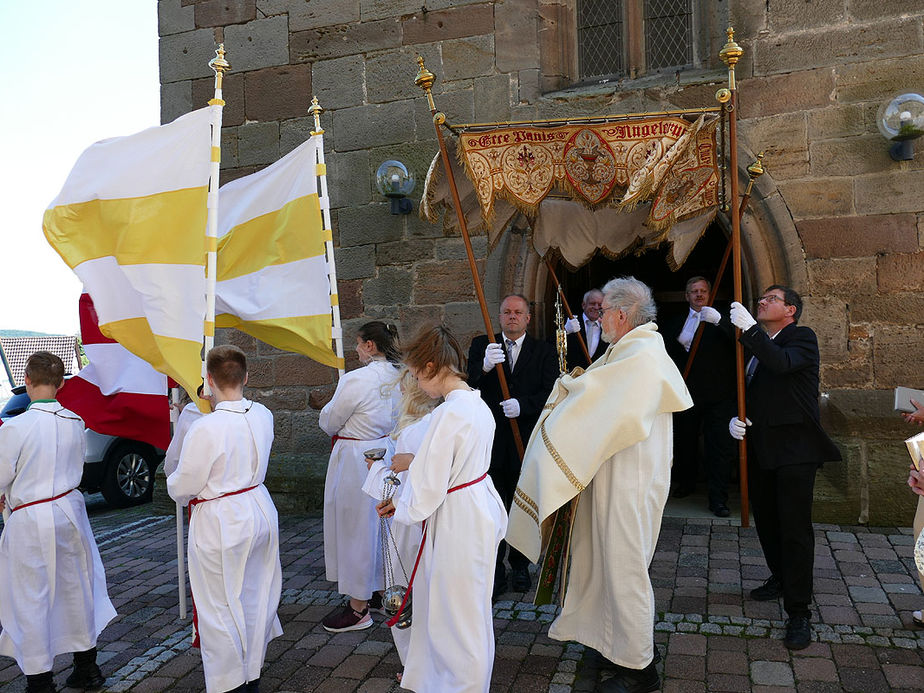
x,y
814,669
863,680
772,673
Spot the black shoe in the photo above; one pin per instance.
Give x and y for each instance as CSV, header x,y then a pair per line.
x,y
798,633
500,583
253,686
632,681
720,510
520,580
683,491
771,589
41,683
86,673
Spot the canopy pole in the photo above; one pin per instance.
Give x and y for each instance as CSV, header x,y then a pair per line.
x,y
730,54
324,200
180,553
564,302
425,80
755,170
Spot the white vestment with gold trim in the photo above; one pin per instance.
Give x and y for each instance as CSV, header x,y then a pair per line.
x,y
606,433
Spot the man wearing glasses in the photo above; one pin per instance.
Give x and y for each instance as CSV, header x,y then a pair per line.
x,y
786,445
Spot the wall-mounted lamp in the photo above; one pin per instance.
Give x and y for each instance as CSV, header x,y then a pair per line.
x,y
394,181
901,121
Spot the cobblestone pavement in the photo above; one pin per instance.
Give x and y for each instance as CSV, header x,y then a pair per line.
x,y
711,637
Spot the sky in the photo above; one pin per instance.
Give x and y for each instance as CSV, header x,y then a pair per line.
x,y
71,73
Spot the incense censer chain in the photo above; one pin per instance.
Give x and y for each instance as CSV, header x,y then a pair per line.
x,y
394,593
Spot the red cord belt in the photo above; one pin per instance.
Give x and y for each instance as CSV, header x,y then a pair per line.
x,y
195,501
410,583
334,439
43,500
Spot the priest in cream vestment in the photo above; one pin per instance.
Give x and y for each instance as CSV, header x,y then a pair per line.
x,y
606,434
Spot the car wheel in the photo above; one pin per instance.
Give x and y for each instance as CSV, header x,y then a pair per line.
x,y
129,475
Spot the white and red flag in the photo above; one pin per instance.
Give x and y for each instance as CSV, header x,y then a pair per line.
x,y
118,393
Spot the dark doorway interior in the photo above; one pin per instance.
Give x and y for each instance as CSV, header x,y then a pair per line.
x,y
651,267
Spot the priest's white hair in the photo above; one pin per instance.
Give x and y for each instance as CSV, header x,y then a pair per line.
x,y
633,297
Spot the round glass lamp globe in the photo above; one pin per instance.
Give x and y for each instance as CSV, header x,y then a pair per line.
x,y
902,117
394,180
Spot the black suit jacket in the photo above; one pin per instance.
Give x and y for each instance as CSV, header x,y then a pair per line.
x,y
575,356
712,376
530,383
782,399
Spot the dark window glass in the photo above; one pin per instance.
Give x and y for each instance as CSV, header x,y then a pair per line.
x,y
601,44
668,34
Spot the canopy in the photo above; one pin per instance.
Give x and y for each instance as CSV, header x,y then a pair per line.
x,y
606,185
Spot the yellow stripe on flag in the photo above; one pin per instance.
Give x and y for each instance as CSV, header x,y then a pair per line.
x,y
137,230
270,239
179,358
301,335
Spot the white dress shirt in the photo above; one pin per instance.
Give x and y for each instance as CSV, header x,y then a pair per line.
x,y
513,347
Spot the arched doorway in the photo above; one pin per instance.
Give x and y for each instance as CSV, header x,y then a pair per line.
x,y
650,266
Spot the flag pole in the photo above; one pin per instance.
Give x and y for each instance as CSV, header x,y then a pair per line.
x,y
321,172
219,65
425,81
730,54
180,554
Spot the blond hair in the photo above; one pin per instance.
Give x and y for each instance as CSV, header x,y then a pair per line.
x,y
415,403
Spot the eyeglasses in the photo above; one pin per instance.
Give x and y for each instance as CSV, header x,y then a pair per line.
x,y
606,308
770,298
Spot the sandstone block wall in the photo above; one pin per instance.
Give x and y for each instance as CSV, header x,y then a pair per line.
x,y
810,83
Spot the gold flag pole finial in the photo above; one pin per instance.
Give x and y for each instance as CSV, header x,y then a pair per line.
x,y
755,171
219,65
425,80
316,111
730,55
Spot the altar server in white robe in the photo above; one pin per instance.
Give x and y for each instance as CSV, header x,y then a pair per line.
x,y
359,417
413,420
53,595
188,415
234,568
451,648
606,434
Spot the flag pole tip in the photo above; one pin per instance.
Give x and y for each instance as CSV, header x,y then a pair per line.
x,y
424,78
315,110
218,63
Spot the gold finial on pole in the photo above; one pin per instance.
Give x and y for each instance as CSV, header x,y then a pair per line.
x,y
730,55
755,171
425,80
219,65
316,110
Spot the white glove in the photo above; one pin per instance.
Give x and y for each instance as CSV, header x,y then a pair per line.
x,y
493,355
709,314
740,317
738,429
511,408
572,325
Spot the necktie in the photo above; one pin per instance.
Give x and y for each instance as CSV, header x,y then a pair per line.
x,y
511,353
749,371
593,335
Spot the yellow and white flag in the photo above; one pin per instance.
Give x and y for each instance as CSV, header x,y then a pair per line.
x,y
130,221
272,271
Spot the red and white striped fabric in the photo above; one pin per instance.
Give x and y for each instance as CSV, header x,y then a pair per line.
x,y
117,394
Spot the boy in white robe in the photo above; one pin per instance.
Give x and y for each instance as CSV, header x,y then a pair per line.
x,y
188,415
234,567
53,595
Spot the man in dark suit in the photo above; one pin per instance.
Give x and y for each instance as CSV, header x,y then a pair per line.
x,y
590,329
711,382
531,368
786,445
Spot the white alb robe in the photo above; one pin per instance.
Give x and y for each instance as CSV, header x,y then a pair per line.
x,y
451,647
234,567
621,459
406,537
363,408
53,597
187,417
